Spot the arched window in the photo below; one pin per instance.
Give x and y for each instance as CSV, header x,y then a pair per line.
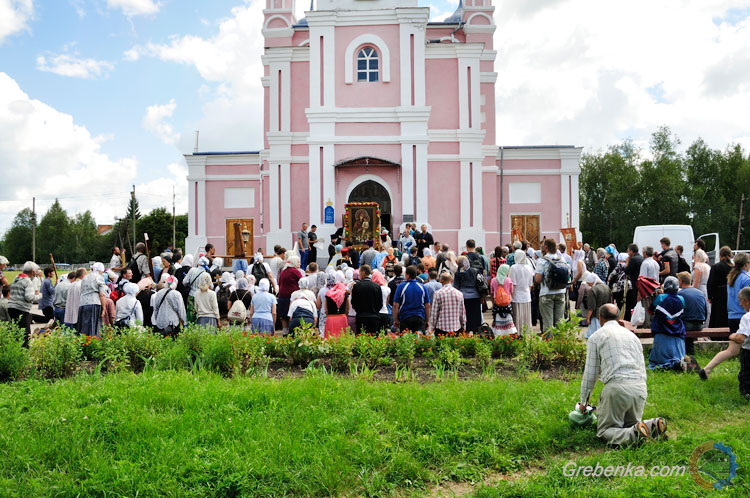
x,y
367,64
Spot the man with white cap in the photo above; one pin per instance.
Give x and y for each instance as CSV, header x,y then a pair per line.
x,y
92,305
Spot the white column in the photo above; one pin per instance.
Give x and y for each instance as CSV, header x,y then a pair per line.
x,y
286,200
475,97
465,195
574,215
407,180
314,180
477,196
191,209
405,60
463,95
564,199
421,186
329,67
273,197
329,177
201,208
419,67
273,100
286,96
315,68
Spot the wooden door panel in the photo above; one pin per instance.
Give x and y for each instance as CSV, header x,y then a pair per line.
x,y
229,238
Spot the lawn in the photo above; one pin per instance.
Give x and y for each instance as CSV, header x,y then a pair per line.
x,y
199,434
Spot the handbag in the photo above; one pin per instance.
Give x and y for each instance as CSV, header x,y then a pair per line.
x,y
639,315
125,322
170,330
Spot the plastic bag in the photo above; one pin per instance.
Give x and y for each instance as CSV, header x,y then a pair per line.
x,y
638,317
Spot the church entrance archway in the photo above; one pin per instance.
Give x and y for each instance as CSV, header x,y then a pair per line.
x,y
372,191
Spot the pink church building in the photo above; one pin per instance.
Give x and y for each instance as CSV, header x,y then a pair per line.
x,y
366,100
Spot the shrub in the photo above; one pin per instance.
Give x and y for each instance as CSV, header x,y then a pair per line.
x,y
373,349
506,346
131,349
55,354
484,353
536,352
14,358
218,354
449,358
250,350
404,348
173,356
305,346
192,337
341,350
91,348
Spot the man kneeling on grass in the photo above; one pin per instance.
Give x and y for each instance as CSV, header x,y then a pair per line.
x,y
616,354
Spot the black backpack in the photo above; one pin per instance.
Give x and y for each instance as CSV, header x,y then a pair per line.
x,y
557,275
414,261
259,272
389,265
476,262
133,265
222,296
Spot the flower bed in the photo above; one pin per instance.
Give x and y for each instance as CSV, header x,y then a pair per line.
x,y
233,351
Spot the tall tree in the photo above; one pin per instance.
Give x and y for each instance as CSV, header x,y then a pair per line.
x,y
158,225
17,240
53,233
82,243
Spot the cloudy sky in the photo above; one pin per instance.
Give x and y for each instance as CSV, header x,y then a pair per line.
x,y
99,95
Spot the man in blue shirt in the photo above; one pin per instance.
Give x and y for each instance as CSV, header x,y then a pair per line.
x,y
411,303
695,313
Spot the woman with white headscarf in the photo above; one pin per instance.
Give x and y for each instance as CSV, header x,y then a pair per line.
x,y
93,301
156,263
168,309
288,283
260,270
520,301
428,260
599,295
190,282
206,304
263,309
302,307
128,310
22,298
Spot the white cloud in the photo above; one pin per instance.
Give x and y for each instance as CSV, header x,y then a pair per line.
x,y
230,62
14,16
79,6
135,7
47,155
154,121
72,66
592,74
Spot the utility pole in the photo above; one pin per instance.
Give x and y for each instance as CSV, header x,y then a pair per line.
x,y
739,223
33,229
132,199
174,231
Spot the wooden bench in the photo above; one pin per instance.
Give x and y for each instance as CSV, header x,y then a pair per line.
x,y
713,333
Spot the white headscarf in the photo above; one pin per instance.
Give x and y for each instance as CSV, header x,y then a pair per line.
x,y
97,267
593,279
130,289
188,260
340,277
264,285
427,252
258,257
519,257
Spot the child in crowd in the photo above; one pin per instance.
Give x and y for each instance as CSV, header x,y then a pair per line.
x,y
742,336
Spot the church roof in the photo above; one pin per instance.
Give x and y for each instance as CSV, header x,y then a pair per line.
x,y
454,18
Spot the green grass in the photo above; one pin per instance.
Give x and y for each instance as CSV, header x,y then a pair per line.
x,y
179,434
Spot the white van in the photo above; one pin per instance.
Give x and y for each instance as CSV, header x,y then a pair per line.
x,y
679,235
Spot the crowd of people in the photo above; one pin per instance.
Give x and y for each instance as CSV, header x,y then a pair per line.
x,y
418,284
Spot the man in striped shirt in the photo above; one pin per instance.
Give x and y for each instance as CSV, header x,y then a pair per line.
x,y
448,313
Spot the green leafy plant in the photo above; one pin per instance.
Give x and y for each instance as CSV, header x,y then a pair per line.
x,y
404,349
341,350
218,355
305,346
14,358
373,349
55,354
506,346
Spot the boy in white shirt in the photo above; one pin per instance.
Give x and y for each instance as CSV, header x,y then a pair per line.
x,y
742,336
